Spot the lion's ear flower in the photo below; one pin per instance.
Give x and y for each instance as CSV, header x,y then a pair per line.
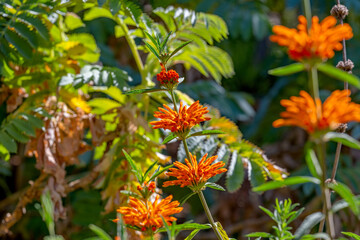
x,y
312,115
147,215
319,42
169,79
180,122
193,174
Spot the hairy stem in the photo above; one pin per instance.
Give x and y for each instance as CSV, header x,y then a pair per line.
x,y
325,192
172,93
208,214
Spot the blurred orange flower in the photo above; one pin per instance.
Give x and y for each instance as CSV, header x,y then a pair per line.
x,y
181,122
147,216
319,41
313,116
193,174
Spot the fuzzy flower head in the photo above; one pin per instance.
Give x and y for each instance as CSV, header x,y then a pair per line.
x,y
180,122
169,79
319,42
194,175
314,116
147,216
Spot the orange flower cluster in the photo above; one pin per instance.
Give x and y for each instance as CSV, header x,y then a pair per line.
x,y
147,216
193,174
313,116
168,77
319,41
182,121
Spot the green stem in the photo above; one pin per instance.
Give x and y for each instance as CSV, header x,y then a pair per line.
x,y
307,10
186,150
172,93
314,82
208,214
325,192
133,49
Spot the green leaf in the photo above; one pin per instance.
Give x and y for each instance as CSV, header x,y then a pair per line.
x,y
309,222
36,122
345,192
214,186
130,194
267,211
286,182
179,48
353,235
336,73
188,226
152,49
235,174
134,167
170,137
157,173
192,234
24,127
313,163
8,142
100,232
221,231
36,23
152,40
149,169
206,132
140,91
73,21
15,133
97,12
163,44
23,30
19,43
259,234
343,138
287,70
187,197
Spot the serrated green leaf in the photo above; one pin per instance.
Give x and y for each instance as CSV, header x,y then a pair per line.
x,y
286,182
33,120
343,138
140,91
15,133
170,137
214,186
100,232
8,142
341,75
137,172
345,192
287,70
36,23
21,45
24,31
206,132
235,174
24,127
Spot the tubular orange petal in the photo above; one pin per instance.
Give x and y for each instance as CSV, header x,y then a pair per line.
x,y
313,116
320,41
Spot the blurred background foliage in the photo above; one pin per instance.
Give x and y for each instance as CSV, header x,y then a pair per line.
x,y
85,62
